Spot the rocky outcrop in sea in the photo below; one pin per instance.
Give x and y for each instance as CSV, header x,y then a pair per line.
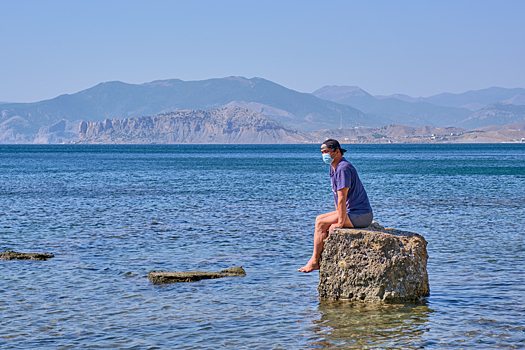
x,y
374,264
12,255
192,276
227,125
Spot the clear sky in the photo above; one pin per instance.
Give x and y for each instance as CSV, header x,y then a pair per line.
x,y
419,48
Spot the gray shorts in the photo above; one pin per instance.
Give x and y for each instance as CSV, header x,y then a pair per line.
x,y
361,220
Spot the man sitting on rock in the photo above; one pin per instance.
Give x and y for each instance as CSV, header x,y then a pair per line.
x,y
352,208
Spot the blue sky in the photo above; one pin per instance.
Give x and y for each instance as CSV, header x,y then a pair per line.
x,y
419,48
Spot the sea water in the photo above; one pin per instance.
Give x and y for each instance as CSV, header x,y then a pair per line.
x,y
110,214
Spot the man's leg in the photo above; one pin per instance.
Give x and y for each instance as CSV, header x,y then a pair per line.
x,y
322,224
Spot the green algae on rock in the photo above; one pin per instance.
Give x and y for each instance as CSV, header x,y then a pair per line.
x,y
192,276
12,255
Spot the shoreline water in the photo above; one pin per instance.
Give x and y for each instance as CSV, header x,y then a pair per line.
x,y
111,213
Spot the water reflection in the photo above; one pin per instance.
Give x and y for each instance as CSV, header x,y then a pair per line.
x,y
343,324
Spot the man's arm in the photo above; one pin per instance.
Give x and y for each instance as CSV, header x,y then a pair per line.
x,y
340,208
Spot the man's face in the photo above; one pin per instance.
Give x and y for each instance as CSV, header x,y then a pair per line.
x,y
326,150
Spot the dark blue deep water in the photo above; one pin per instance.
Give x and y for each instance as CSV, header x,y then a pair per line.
x,y
110,214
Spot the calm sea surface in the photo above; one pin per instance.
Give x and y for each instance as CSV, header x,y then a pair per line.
x,y
110,214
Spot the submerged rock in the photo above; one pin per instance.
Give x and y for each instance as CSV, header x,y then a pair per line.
x,y
191,276
12,255
374,264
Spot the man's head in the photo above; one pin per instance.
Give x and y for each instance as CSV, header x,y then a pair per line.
x,y
332,145
332,151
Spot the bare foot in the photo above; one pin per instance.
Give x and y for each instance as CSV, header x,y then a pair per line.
x,y
311,266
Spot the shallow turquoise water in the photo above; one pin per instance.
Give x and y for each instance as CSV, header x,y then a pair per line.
x,y
110,214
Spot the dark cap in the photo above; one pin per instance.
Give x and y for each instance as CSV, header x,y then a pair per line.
x,y
334,144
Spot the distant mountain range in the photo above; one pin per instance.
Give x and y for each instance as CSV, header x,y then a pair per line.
x,y
239,125
20,122
475,100
407,113
471,100
332,107
495,114
439,110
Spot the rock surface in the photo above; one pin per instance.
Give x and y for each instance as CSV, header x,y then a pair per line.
x,y
374,264
227,125
191,276
12,255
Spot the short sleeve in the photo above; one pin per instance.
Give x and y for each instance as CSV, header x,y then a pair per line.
x,y
343,178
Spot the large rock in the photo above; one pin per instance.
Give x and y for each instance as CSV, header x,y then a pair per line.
x,y
374,264
191,276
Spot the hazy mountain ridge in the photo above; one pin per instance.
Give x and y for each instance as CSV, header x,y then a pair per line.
x,y
55,120
517,100
226,125
121,100
420,111
401,97
472,100
482,97
495,114
406,113
338,93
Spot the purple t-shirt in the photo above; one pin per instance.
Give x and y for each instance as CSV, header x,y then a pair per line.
x,y
345,175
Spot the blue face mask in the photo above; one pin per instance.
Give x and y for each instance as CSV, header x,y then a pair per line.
x,y
327,159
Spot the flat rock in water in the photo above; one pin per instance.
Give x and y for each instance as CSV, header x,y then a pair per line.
x,y
11,255
374,264
191,276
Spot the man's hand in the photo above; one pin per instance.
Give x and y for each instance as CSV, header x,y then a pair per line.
x,y
334,226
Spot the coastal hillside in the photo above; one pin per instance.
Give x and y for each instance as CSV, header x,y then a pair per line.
x,y
21,122
392,132
495,114
236,125
227,125
514,132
